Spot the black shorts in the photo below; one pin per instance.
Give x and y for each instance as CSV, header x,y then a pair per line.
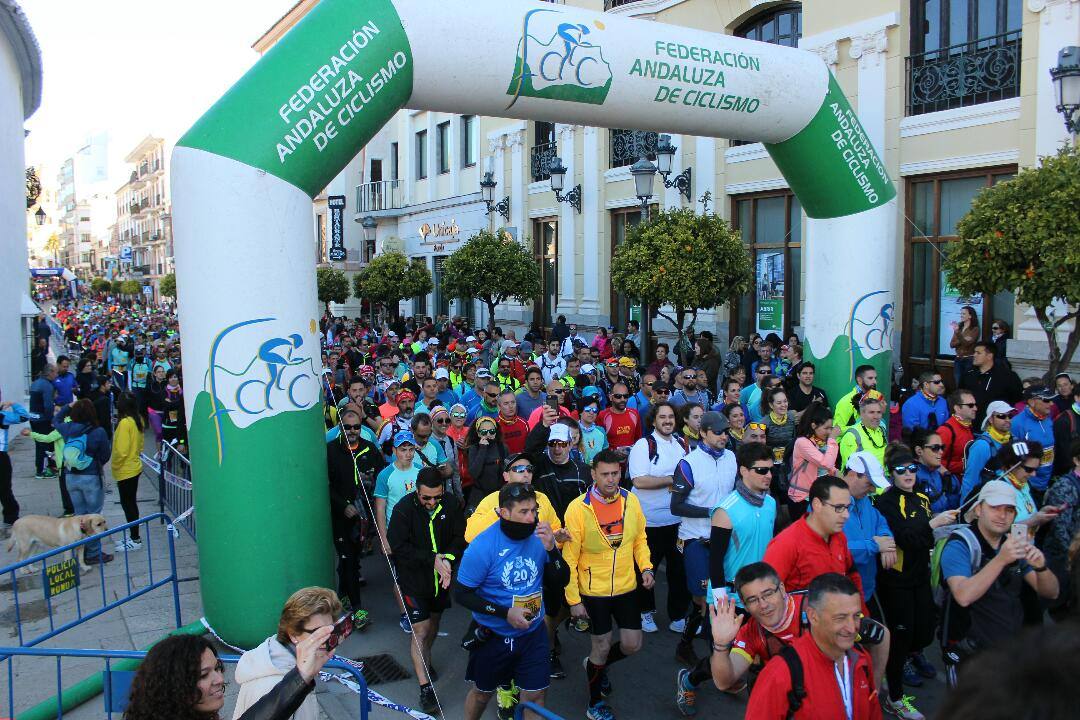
x,y
623,609
554,601
421,609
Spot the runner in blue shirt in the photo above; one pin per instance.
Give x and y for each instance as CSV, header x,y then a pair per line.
x,y
396,480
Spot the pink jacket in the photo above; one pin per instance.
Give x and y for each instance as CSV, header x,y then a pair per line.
x,y
808,464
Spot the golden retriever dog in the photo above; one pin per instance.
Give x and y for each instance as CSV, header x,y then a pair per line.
x,y
50,532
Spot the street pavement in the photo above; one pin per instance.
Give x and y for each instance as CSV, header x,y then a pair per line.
x,y
644,684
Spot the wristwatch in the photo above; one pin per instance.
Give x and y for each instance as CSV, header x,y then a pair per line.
x,y
1040,569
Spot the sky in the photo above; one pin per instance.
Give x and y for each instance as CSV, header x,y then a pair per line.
x,y
134,68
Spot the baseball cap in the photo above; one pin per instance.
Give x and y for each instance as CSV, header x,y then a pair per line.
x,y
483,373
994,492
866,463
559,432
714,421
442,374
471,339
517,457
366,370
472,350
433,341
526,346
998,407
404,437
588,369
661,386
1039,391
406,395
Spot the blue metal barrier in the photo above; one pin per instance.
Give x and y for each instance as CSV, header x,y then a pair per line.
x,y
116,705
519,713
82,614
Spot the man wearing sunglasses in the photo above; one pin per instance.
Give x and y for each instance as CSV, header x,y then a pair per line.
x,y
623,425
1035,425
996,433
845,412
352,464
926,408
957,432
557,472
427,538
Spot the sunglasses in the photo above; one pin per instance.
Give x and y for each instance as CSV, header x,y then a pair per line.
x,y
935,448
995,327
1030,468
521,468
1003,416
558,443
763,471
899,469
649,384
762,372
591,409
442,421
349,426
967,405
486,433
619,396
757,426
560,391
689,377
458,414
491,395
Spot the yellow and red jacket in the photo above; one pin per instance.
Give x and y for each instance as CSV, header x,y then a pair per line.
x,y
597,568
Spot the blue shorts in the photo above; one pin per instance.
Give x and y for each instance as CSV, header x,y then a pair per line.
x,y
696,561
525,659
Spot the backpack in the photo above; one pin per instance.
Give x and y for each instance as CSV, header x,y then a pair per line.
x,y
75,456
797,693
654,453
938,585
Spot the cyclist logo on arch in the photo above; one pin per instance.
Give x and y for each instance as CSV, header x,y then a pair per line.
x,y
559,60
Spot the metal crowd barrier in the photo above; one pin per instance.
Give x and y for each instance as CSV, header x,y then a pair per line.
x,y
117,682
519,712
175,492
65,576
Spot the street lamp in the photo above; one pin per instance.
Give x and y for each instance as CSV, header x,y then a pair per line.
x,y
558,178
369,224
487,189
39,217
643,172
1066,77
665,153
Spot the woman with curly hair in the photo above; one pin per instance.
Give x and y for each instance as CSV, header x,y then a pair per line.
x,y
182,678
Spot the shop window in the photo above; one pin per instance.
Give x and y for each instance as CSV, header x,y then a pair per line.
x,y
771,227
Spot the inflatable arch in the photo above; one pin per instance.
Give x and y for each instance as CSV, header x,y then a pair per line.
x,y
244,175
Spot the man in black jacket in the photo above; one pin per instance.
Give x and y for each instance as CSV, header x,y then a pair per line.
x,y
557,472
352,463
427,538
989,380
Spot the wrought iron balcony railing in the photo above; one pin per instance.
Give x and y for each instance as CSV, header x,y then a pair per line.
x,y
629,145
965,74
540,161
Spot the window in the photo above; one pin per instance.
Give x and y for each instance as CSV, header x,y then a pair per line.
x,y
964,52
627,146
781,25
442,149
421,155
320,238
469,128
935,206
771,227
394,168
442,301
622,220
544,149
546,252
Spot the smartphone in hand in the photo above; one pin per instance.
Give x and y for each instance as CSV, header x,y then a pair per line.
x,y
1019,532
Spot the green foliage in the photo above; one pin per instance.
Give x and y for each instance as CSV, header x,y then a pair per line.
x,y
492,269
128,287
167,285
100,285
391,277
688,261
1023,236
333,286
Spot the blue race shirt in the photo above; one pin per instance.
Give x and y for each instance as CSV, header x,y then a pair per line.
x,y
508,573
392,484
751,531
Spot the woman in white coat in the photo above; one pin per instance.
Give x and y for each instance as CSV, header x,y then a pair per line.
x,y
261,668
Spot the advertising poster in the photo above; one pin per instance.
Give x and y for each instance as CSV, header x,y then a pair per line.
x,y
951,302
769,275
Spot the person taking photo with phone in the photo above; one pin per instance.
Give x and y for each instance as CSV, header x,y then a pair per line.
x,y
427,538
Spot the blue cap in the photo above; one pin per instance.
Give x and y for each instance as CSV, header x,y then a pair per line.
x,y
402,437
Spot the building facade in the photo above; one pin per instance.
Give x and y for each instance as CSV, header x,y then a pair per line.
x,y
143,230
84,207
955,95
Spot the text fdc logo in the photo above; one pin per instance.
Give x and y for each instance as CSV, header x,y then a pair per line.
x,y
559,60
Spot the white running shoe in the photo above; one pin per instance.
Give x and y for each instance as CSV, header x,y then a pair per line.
x,y
129,545
677,626
648,622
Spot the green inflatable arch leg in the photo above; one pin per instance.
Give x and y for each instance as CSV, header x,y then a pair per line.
x,y
244,175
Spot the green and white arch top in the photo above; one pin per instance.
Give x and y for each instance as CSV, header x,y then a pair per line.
x,y
244,174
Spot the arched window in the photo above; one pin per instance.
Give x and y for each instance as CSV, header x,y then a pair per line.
x,y
780,25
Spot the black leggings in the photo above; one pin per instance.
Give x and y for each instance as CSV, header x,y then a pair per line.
x,y
129,488
910,615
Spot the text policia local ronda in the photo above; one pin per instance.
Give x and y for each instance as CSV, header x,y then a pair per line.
x,y
344,93
701,76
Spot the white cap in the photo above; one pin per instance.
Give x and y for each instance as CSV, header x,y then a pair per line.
x,y
865,463
442,374
998,407
433,341
587,369
559,432
471,338
472,351
994,492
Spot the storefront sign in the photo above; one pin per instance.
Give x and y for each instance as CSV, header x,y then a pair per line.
x,y
448,231
336,203
62,576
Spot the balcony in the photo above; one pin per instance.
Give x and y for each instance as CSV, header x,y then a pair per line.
x,y
629,145
377,196
966,74
609,4
540,160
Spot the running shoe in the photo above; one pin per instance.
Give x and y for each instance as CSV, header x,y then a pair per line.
x,y
600,711
903,708
685,696
406,626
428,702
648,622
912,677
557,671
923,666
506,700
49,473
128,544
677,626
